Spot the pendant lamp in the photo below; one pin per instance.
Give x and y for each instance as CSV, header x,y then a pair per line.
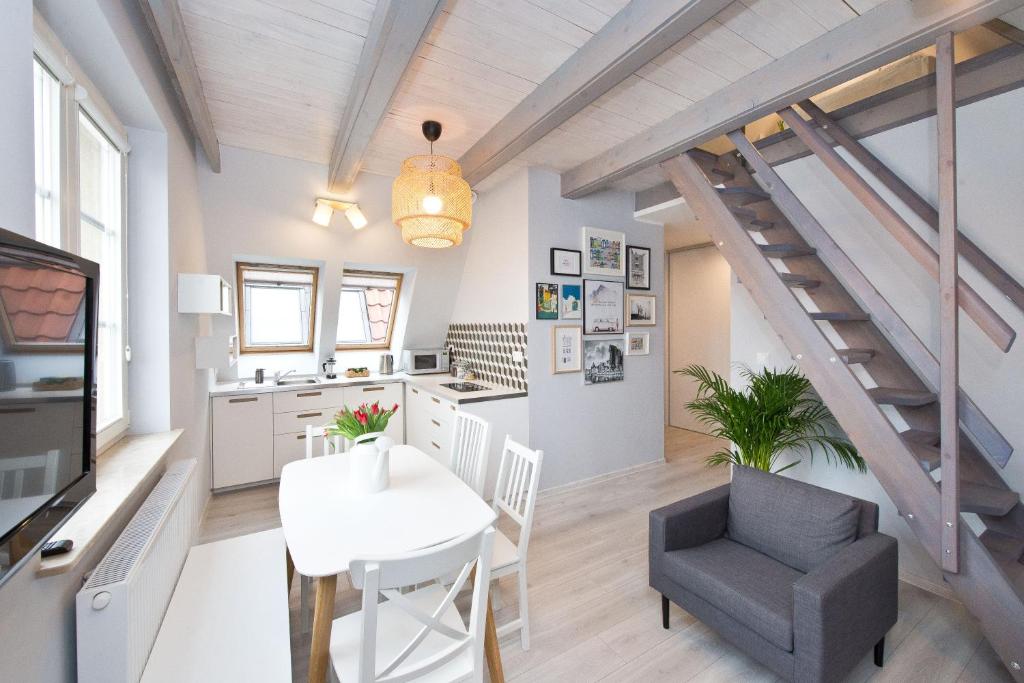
x,y
430,202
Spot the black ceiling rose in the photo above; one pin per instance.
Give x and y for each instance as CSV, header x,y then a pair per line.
x,y
431,130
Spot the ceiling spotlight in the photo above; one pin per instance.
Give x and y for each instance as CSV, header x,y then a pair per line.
x,y
325,208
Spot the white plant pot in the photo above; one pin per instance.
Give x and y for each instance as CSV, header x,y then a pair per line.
x,y
369,464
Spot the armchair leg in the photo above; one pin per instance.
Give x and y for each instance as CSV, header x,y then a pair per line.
x,y
879,652
664,613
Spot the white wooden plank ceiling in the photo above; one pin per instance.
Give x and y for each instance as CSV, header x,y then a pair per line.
x,y
277,72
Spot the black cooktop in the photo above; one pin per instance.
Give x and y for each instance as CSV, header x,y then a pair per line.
x,y
464,386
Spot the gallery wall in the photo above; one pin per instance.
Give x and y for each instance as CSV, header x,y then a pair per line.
x,y
990,207
591,430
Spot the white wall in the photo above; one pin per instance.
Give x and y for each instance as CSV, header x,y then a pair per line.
x,y
17,208
587,431
259,207
991,164
495,275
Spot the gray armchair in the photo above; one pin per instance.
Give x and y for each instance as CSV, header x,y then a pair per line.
x,y
796,576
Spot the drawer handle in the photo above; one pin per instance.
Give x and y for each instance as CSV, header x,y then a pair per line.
x,y
243,400
436,423
415,391
302,415
16,411
308,394
452,408
435,445
435,399
373,388
300,437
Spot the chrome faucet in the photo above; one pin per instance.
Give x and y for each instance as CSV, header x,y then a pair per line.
x,y
278,376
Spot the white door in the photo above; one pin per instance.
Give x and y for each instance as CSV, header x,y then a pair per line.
x,y
243,439
698,324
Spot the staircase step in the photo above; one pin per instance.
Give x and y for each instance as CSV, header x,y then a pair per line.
x,y
799,281
724,175
742,196
786,250
895,396
986,500
930,457
840,316
752,221
855,356
921,436
1004,548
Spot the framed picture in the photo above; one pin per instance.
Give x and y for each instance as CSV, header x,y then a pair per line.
x,y
566,351
638,267
547,301
641,309
566,262
570,304
604,252
602,361
602,307
638,344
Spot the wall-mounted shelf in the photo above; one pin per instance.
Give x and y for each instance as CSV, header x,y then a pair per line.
x,y
201,293
218,353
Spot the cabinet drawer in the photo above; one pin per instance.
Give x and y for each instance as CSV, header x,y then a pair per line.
x,y
313,397
291,447
289,423
386,394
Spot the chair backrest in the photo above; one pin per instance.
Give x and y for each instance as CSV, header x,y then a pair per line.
x,y
471,439
386,575
14,469
516,490
332,444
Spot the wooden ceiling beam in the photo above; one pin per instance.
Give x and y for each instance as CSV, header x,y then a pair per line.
x,y
638,33
396,31
889,31
168,29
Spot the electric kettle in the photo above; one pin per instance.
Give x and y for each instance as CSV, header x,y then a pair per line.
x,y
387,364
328,368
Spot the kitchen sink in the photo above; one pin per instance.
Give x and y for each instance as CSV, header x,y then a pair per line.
x,y
296,382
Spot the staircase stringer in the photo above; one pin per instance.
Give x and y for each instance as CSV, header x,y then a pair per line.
x,y
984,587
979,429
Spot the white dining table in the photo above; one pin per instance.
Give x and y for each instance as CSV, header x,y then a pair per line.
x,y
326,527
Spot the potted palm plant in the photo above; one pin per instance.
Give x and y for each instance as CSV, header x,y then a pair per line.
x,y
777,412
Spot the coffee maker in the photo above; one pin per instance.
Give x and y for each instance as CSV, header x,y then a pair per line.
x,y
328,368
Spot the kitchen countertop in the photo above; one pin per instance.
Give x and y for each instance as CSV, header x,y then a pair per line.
x,y
429,383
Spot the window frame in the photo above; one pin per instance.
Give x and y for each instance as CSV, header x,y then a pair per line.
x,y
243,345
386,344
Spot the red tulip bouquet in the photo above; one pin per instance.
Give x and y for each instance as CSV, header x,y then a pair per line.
x,y
366,419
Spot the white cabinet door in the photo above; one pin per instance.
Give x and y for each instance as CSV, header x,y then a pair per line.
x,y
388,395
243,439
429,423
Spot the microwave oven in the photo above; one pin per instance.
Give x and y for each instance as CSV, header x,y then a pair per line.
x,y
425,361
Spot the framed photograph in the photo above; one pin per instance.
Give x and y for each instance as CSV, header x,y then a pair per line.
x,y
641,309
604,252
602,307
566,262
638,267
603,361
638,344
566,349
547,301
570,304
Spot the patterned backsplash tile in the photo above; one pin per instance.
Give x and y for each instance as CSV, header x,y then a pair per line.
x,y
489,349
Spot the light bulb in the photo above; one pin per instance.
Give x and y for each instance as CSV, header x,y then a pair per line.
x,y
322,214
432,204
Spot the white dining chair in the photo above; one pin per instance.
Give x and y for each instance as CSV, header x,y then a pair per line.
x,y
516,495
331,444
471,439
417,635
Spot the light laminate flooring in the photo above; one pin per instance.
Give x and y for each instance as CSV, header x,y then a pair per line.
x,y
593,615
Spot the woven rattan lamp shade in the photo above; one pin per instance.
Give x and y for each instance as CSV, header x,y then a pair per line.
x,y
431,202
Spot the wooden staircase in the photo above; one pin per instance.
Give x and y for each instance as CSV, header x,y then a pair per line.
x,y
813,295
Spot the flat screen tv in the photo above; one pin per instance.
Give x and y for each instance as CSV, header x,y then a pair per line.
x,y
48,304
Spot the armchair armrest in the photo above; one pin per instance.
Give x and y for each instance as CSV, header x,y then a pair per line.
x,y
845,606
689,522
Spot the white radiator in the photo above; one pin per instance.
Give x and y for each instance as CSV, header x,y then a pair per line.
x,y
119,610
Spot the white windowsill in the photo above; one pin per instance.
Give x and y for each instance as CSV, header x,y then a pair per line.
x,y
120,471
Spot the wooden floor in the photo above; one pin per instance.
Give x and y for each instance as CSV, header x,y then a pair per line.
x,y
593,615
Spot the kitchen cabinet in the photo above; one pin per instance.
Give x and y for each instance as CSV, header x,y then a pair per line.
x,y
202,293
243,439
429,423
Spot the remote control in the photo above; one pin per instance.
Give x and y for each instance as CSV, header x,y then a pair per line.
x,y
57,547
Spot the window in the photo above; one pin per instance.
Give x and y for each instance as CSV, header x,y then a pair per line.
x,y
277,307
100,238
366,311
46,96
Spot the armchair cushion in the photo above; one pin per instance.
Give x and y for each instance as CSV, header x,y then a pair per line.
x,y
749,586
798,524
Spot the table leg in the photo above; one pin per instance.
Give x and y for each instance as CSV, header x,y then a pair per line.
x,y
323,614
491,649
290,565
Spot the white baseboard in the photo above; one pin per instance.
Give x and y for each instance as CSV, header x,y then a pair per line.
x,y
599,478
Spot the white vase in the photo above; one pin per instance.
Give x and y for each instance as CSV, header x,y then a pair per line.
x,y
369,464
